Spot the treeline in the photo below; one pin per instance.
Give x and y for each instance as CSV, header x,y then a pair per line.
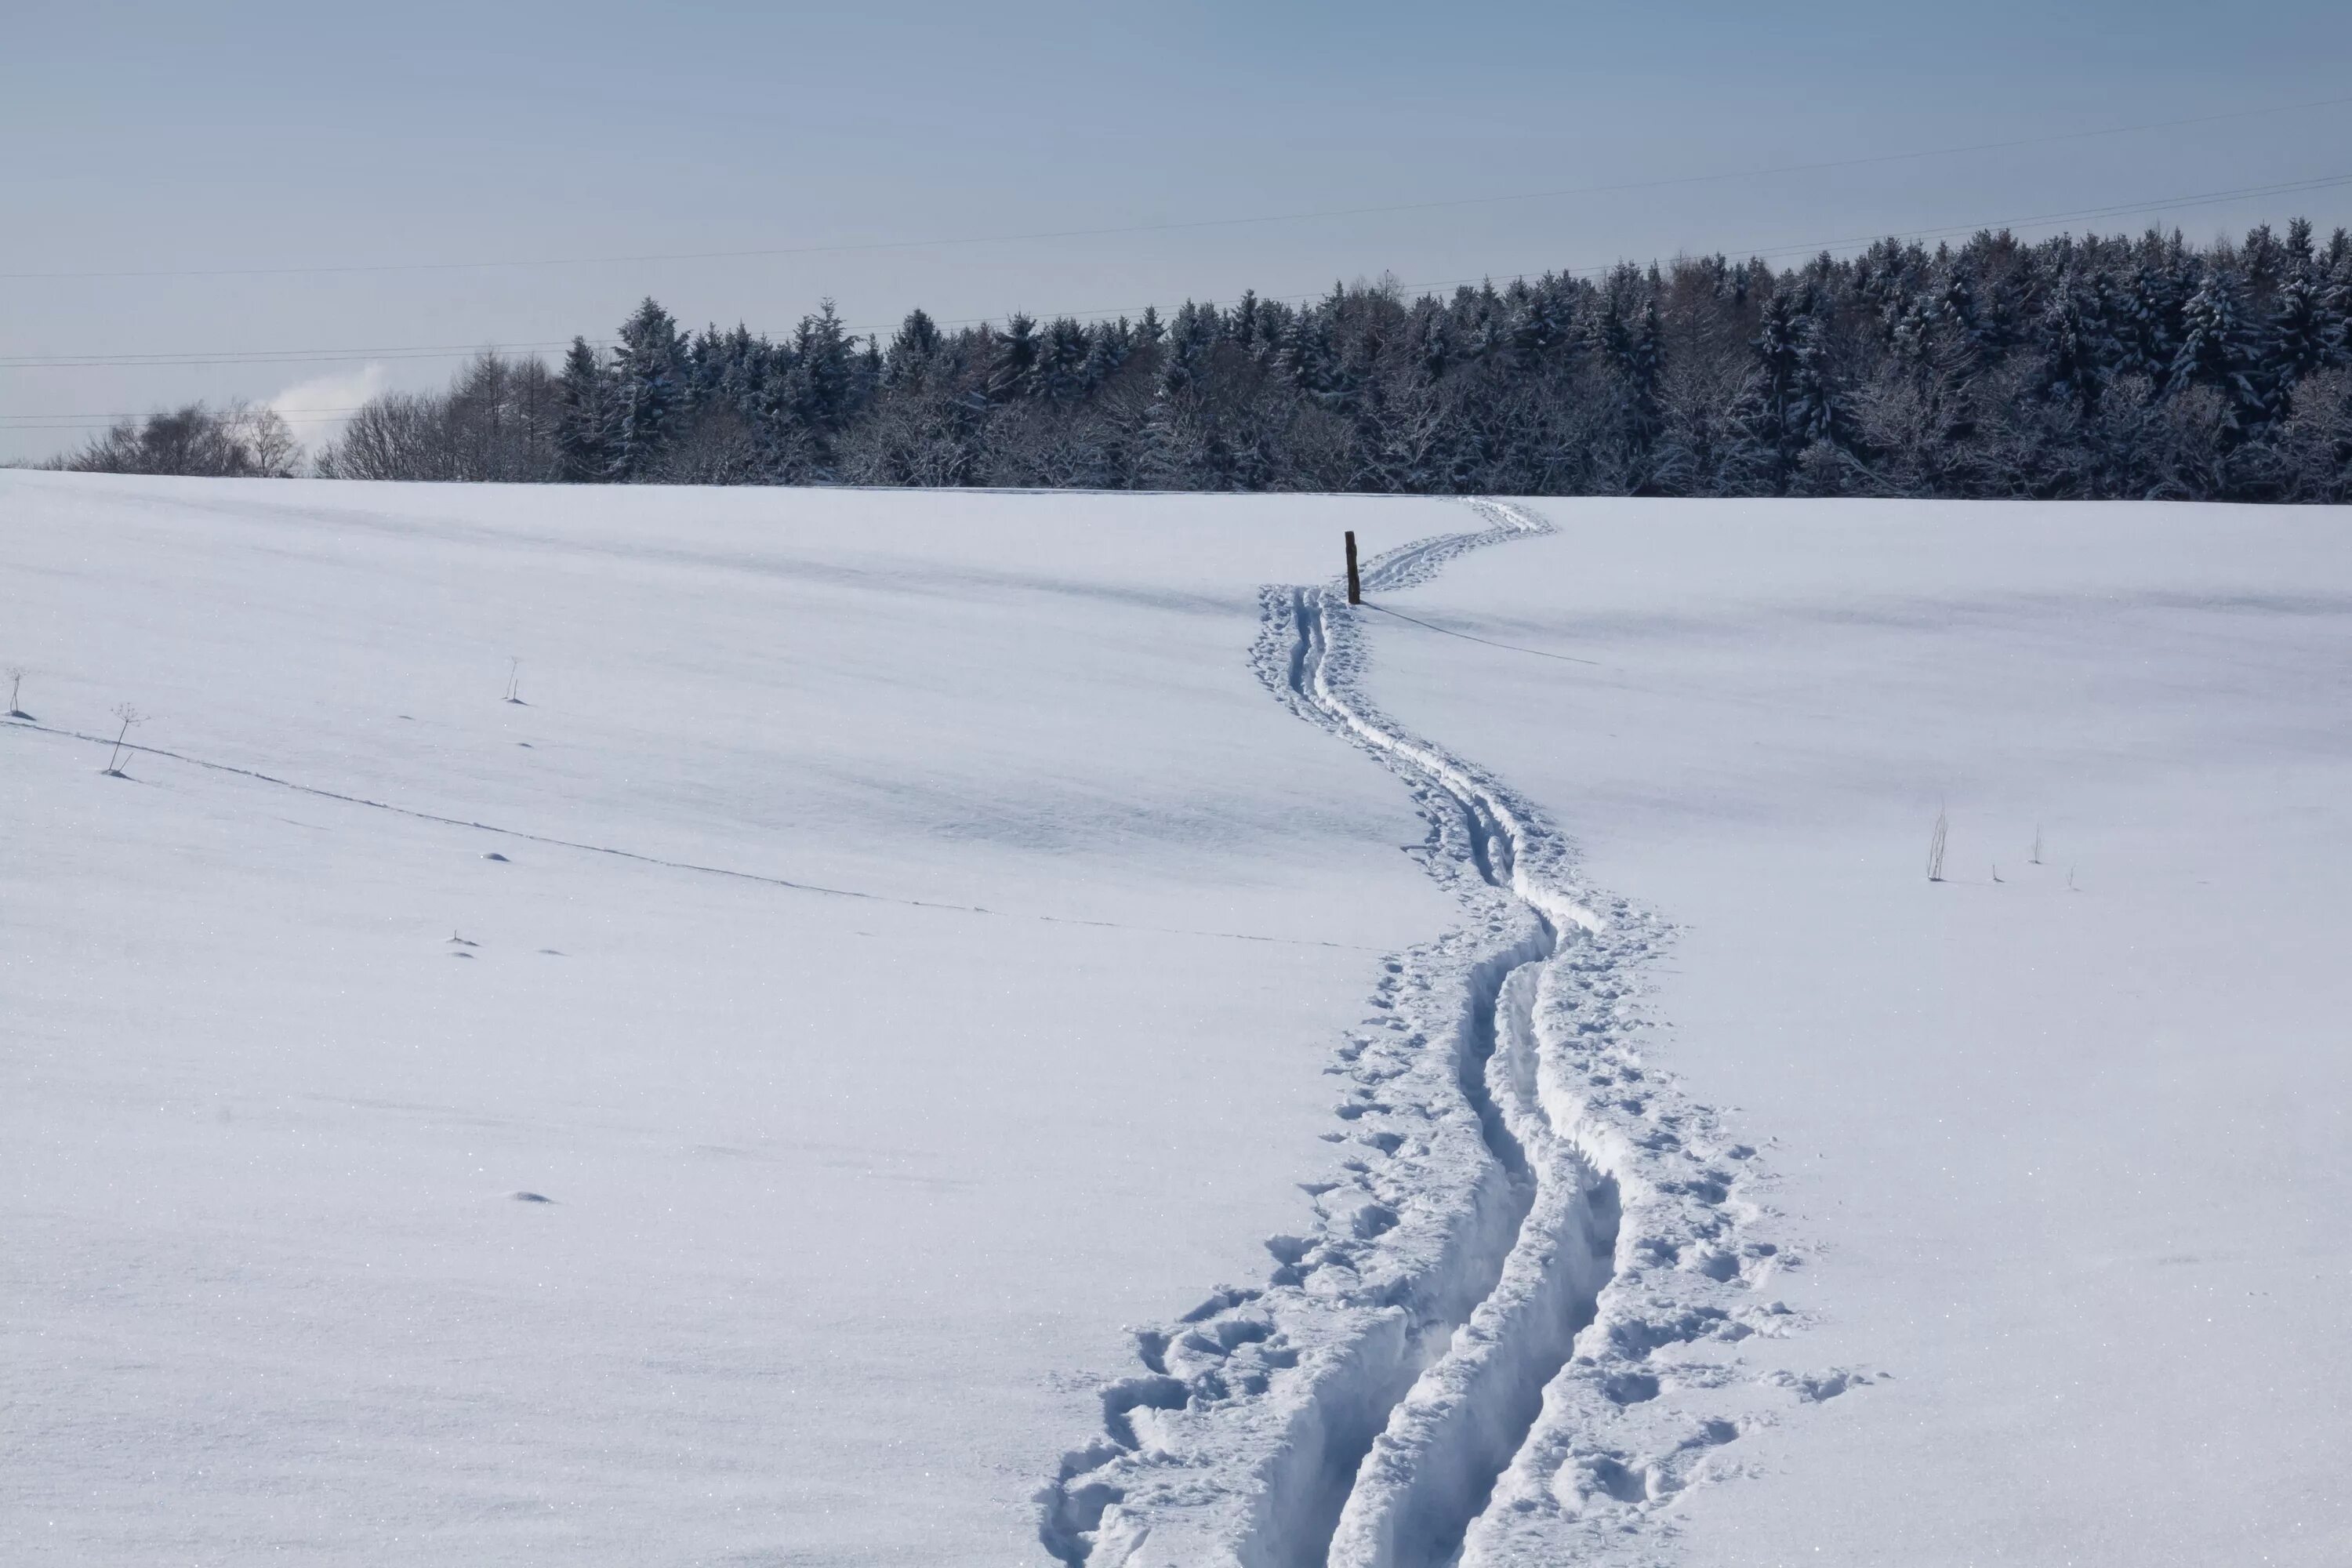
x,y
2096,367
239,441
496,424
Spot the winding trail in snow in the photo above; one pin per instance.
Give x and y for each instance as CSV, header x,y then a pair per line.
x,y
1434,1464
1474,1358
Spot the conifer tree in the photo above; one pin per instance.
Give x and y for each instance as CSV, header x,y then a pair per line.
x,y
2073,362
1191,334
2301,327
2334,314
912,349
1015,370
648,393
1644,363
1061,362
1786,405
2151,337
1241,324
1108,347
824,381
2220,348
2263,260
582,420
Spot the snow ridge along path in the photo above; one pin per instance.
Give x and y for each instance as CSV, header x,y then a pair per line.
x,y
1508,1333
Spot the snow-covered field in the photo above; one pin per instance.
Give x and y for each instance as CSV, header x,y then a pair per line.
x,y
919,946
2064,1153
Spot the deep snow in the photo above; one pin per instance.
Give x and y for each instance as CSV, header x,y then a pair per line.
x,y
2010,1234
851,1199
2064,1151
1525,1237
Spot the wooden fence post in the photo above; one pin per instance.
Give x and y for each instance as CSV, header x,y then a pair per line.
x,y
1354,583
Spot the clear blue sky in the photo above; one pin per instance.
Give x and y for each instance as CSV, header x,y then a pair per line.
x,y
149,137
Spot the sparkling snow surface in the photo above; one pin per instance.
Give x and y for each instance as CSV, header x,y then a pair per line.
x,y
849,1199
465,1144
2070,1163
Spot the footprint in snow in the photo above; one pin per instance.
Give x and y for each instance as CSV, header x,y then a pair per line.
x,y
494,854
530,1197
1821,1386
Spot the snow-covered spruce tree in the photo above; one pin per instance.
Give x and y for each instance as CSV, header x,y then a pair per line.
x,y
1645,364
1308,361
2305,338
823,388
2222,344
2262,263
648,393
1241,324
1062,353
2076,345
2335,316
1015,370
1787,404
1109,344
583,417
912,347
2158,290
1191,333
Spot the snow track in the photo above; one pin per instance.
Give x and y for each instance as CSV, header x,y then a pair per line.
x,y
1495,1344
25,726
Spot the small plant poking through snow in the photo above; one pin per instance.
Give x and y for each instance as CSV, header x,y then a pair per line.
x,y
119,756
1935,848
514,681
2036,856
17,674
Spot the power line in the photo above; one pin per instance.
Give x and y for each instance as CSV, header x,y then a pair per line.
x,y
13,423
2128,209
2124,209
1302,216
1766,253
270,356
93,414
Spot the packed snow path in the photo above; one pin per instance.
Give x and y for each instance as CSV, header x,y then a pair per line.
x,y
1531,1238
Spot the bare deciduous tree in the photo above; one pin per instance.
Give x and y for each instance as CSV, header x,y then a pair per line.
x,y
241,441
495,425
